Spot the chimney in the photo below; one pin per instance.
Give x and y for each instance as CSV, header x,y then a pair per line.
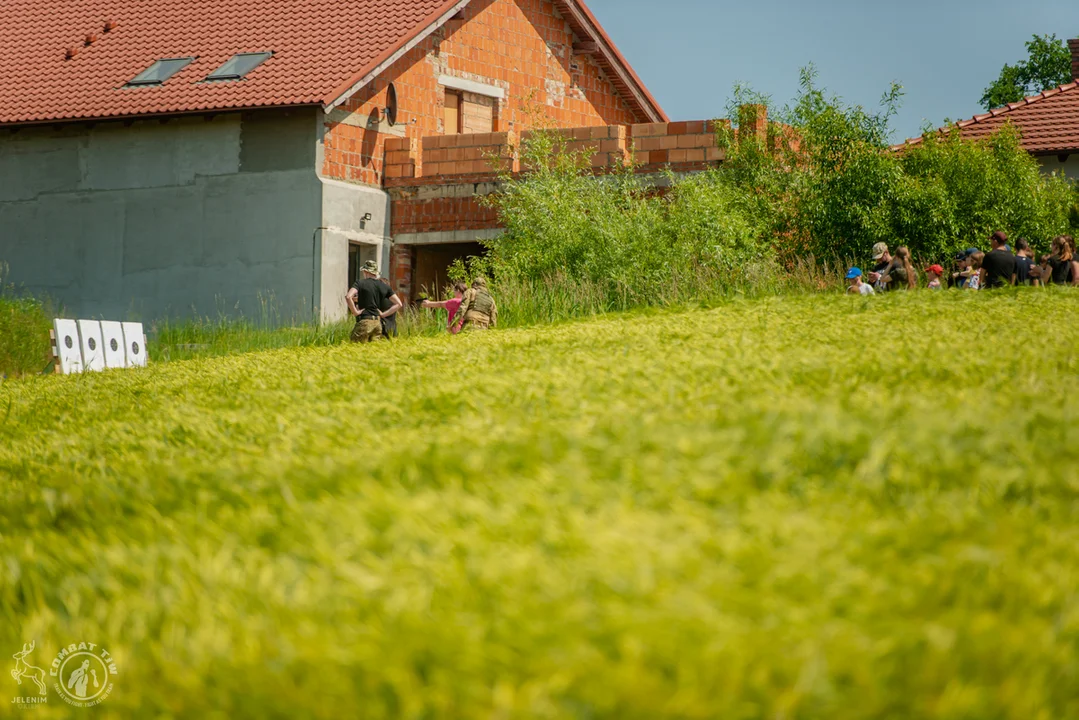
x,y
1074,45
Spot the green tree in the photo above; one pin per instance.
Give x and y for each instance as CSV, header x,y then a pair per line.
x,y
1047,66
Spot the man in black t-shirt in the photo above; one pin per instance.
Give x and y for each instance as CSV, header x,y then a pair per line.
x,y
389,323
999,267
1024,262
365,301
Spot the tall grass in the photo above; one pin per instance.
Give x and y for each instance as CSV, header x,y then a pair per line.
x,y
229,335
24,331
802,507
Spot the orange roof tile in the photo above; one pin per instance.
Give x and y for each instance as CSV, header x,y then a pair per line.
x,y
322,49
317,45
1048,122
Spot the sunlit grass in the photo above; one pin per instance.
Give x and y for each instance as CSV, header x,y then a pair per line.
x,y
812,507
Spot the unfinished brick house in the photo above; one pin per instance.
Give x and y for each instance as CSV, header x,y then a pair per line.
x,y
177,156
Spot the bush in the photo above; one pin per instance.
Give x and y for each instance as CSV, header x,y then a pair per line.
x,y
826,185
633,244
841,188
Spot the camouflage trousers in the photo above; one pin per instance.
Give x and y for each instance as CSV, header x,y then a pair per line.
x,y
367,331
477,321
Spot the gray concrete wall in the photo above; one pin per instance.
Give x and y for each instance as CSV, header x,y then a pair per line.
x,y
154,219
344,206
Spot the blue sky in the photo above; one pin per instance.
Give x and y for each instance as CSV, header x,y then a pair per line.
x,y
690,53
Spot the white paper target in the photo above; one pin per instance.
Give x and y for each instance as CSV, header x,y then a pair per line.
x,y
93,352
68,349
112,335
134,344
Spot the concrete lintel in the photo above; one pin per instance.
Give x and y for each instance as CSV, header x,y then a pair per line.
x,y
447,237
456,190
478,88
362,120
356,238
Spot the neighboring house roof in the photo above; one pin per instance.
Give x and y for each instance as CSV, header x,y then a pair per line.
x,y
1048,122
324,50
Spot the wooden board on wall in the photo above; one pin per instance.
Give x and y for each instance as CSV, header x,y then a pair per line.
x,y
477,114
453,113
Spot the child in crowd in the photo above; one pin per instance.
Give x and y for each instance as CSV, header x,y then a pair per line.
x,y
1043,272
934,273
974,282
855,284
451,306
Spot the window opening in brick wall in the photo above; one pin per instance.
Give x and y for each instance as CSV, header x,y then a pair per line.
x,y
160,71
238,66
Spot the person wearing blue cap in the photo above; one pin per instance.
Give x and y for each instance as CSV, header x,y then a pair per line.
x,y
855,284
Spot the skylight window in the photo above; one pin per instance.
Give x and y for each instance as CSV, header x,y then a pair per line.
x,y
239,65
160,71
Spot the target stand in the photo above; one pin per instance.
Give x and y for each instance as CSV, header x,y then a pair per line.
x,y
89,345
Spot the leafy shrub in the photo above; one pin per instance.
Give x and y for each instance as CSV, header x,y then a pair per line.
x,y
825,186
841,188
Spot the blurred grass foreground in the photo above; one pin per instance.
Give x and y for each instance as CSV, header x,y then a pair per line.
x,y
803,507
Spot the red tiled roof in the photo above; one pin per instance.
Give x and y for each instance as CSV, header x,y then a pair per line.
x,y
322,49
1048,122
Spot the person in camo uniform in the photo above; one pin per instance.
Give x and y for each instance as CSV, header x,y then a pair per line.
x,y
478,309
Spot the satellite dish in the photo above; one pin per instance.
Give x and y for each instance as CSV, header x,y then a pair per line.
x,y
391,105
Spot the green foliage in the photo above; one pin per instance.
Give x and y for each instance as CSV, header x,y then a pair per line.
x,y
839,188
807,507
1048,65
24,331
821,190
620,235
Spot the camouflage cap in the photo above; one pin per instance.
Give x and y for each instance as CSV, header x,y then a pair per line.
x,y
370,267
880,250
479,281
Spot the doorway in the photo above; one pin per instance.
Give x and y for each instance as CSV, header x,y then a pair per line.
x,y
430,272
358,254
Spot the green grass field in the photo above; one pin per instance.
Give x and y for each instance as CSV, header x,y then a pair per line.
x,y
811,507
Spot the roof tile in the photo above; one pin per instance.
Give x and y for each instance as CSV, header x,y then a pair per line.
x,y
1048,122
318,45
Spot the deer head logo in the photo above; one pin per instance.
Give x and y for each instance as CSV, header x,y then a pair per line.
x,y
24,669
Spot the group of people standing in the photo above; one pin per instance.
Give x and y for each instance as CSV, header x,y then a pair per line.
x,y
974,269
375,305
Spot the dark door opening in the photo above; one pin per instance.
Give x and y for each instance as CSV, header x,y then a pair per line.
x,y
357,256
430,272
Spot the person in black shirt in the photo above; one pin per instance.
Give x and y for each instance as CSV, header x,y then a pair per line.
x,y
1024,262
998,265
1062,263
389,323
365,301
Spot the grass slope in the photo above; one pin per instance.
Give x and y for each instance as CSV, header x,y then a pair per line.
x,y
817,507
24,336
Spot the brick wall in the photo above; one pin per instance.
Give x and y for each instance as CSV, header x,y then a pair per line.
x,y
521,46
416,214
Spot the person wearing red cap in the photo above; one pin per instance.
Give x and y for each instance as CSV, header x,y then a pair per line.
x,y
934,273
